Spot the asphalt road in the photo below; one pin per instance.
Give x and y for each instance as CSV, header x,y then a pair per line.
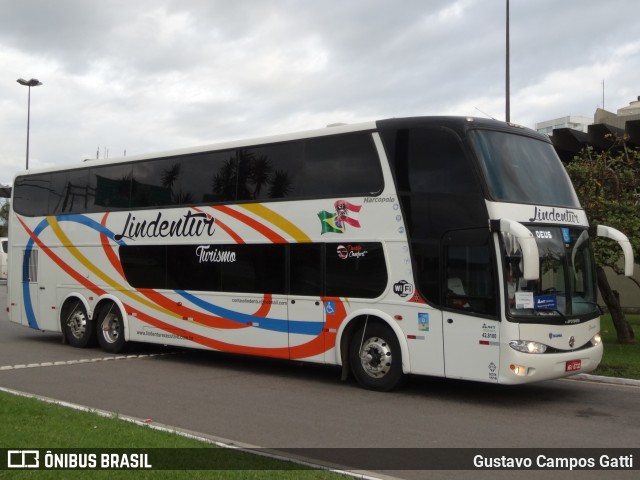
x,y
279,404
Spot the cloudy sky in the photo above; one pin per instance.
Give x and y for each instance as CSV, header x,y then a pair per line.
x,y
150,75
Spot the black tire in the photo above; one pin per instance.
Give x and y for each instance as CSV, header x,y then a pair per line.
x,y
78,329
110,328
375,357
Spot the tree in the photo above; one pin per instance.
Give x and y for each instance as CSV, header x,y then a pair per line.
x,y
608,186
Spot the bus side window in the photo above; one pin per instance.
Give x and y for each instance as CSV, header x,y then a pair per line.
x,y
356,270
31,194
469,271
306,276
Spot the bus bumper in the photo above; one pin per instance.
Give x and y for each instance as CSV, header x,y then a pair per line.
x,y
518,368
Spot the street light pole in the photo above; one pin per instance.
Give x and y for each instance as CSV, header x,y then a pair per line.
x,y
34,82
508,74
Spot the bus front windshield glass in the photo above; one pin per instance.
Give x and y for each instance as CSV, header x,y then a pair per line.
x,y
522,169
567,283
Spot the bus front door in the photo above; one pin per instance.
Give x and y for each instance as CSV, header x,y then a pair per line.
x,y
471,347
470,322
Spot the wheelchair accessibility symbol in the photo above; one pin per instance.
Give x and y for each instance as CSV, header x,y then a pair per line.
x,y
330,307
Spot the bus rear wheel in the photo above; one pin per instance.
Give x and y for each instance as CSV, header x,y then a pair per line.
x,y
375,357
79,330
111,329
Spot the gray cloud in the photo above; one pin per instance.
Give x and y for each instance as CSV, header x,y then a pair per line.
x,y
152,75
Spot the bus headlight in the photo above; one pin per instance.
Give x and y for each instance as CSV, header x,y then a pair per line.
x,y
528,346
596,340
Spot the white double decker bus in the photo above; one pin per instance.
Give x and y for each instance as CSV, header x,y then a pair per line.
x,y
452,247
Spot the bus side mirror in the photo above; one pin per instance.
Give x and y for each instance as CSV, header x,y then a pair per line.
x,y
527,242
623,241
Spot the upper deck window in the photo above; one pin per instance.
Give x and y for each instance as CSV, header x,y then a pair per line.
x,y
521,169
330,166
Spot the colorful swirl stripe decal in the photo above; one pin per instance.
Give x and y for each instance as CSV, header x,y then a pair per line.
x,y
325,340
277,220
258,227
26,295
66,242
309,328
181,311
217,317
237,238
276,325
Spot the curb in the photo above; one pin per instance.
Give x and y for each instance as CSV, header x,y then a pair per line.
x,y
585,377
205,438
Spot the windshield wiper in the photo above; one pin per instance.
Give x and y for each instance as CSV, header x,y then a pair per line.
x,y
555,310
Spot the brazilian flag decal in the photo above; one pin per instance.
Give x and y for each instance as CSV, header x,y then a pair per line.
x,y
335,222
328,221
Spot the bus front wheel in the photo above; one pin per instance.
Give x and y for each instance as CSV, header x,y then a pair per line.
x,y
375,357
111,329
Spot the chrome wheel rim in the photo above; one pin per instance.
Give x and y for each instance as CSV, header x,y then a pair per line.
x,y
376,357
77,324
111,328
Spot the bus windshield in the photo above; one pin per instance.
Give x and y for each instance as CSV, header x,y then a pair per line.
x,y
567,283
522,169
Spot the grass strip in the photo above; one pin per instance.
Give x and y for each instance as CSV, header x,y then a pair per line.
x,y
28,423
619,360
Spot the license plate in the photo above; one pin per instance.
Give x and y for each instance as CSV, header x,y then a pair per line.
x,y
573,366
